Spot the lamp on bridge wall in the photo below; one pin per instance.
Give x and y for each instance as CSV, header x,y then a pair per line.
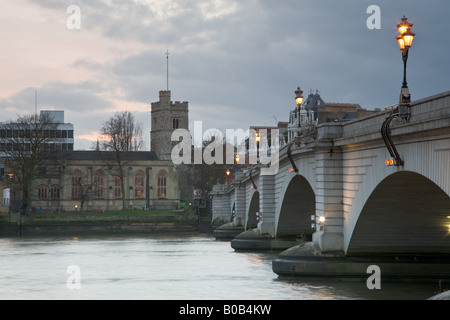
x,y
317,220
259,216
405,40
298,101
390,162
258,138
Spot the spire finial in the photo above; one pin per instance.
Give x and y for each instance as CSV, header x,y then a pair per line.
x,y
167,54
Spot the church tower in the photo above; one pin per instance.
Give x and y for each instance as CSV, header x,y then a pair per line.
x,y
167,116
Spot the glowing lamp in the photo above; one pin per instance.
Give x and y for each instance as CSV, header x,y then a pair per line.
x,y
401,42
408,38
257,137
404,26
299,97
390,162
405,40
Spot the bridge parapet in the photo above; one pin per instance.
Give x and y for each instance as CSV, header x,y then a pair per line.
x,y
426,114
434,107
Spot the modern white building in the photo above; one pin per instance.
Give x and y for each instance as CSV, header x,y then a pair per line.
x,y
61,139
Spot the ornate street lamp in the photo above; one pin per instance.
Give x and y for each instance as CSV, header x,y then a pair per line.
x,y
228,172
405,40
258,138
298,101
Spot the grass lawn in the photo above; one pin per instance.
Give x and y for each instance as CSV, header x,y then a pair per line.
x,y
131,213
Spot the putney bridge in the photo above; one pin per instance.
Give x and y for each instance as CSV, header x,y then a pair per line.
x,y
377,187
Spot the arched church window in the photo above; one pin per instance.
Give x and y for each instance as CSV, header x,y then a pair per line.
x,y
162,185
76,184
42,192
99,184
54,192
117,187
139,185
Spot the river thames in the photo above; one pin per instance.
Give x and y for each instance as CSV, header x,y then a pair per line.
x,y
166,267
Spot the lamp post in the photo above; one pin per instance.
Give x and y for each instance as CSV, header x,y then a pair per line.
x,y
405,40
237,160
257,138
298,101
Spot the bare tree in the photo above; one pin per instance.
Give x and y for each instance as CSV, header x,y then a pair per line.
x,y
85,190
26,147
207,175
121,133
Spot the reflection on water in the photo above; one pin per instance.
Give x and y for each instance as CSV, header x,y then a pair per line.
x,y
165,268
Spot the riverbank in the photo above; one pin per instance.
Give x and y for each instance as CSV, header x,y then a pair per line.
x,y
116,222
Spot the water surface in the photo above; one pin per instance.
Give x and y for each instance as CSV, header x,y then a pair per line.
x,y
165,268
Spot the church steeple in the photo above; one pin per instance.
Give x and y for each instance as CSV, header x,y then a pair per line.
x,y
167,116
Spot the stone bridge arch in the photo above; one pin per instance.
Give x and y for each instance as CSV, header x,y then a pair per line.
x,y
233,210
364,173
253,207
297,204
406,213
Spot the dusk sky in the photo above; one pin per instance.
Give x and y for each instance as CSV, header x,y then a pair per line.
x,y
237,62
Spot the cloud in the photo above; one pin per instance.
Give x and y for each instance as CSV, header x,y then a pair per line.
x,y
238,63
76,97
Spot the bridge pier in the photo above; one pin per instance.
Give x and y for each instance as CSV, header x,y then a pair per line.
x,y
266,224
329,190
253,240
221,210
263,237
308,261
237,216
328,241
